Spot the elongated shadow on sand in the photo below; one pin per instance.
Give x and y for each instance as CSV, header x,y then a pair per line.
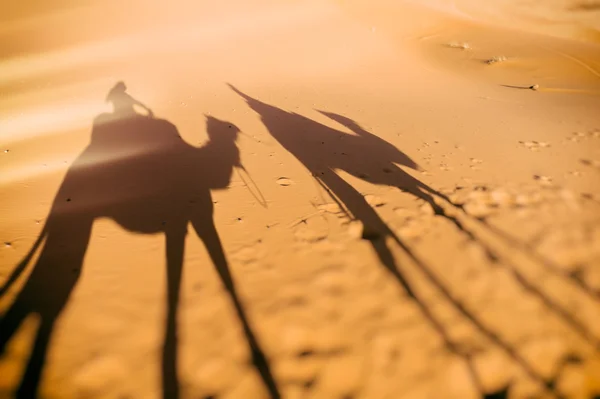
x,y
138,172
323,150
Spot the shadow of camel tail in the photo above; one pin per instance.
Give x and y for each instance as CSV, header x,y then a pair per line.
x,y
18,270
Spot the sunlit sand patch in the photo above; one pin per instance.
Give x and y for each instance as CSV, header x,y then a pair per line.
x,y
25,124
576,19
50,93
13,365
38,170
169,39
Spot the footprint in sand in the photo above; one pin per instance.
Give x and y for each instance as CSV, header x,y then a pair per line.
x,y
413,229
332,208
375,201
475,163
496,59
405,213
545,181
460,45
534,145
483,201
248,254
577,137
284,181
307,234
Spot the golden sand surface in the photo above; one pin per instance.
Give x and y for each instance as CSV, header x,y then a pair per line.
x,y
300,199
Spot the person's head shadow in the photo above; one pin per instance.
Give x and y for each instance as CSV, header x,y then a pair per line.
x,y
123,103
140,173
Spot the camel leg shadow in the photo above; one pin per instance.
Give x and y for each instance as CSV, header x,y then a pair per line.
x,y
205,229
175,243
378,231
426,193
46,292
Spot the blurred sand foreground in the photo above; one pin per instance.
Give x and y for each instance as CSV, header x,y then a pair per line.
x,y
323,199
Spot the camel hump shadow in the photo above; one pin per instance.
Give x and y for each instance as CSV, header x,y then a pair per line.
x,y
371,143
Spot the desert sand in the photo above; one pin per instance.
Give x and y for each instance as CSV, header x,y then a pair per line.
x,y
300,199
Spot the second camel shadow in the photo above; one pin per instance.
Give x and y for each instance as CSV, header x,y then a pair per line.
x,y
324,150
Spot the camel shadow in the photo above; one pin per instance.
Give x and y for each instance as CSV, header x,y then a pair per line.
x,y
140,173
324,151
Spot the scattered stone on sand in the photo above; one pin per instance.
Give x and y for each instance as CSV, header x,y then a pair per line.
x,y
307,234
534,145
460,45
496,59
576,137
545,181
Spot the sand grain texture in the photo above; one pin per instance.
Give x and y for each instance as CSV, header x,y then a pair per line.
x,y
316,199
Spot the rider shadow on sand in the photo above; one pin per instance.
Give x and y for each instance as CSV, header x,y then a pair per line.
x,y
138,172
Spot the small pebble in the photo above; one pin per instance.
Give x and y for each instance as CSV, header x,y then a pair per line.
x,y
496,59
284,181
543,180
591,162
534,87
462,46
7,244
